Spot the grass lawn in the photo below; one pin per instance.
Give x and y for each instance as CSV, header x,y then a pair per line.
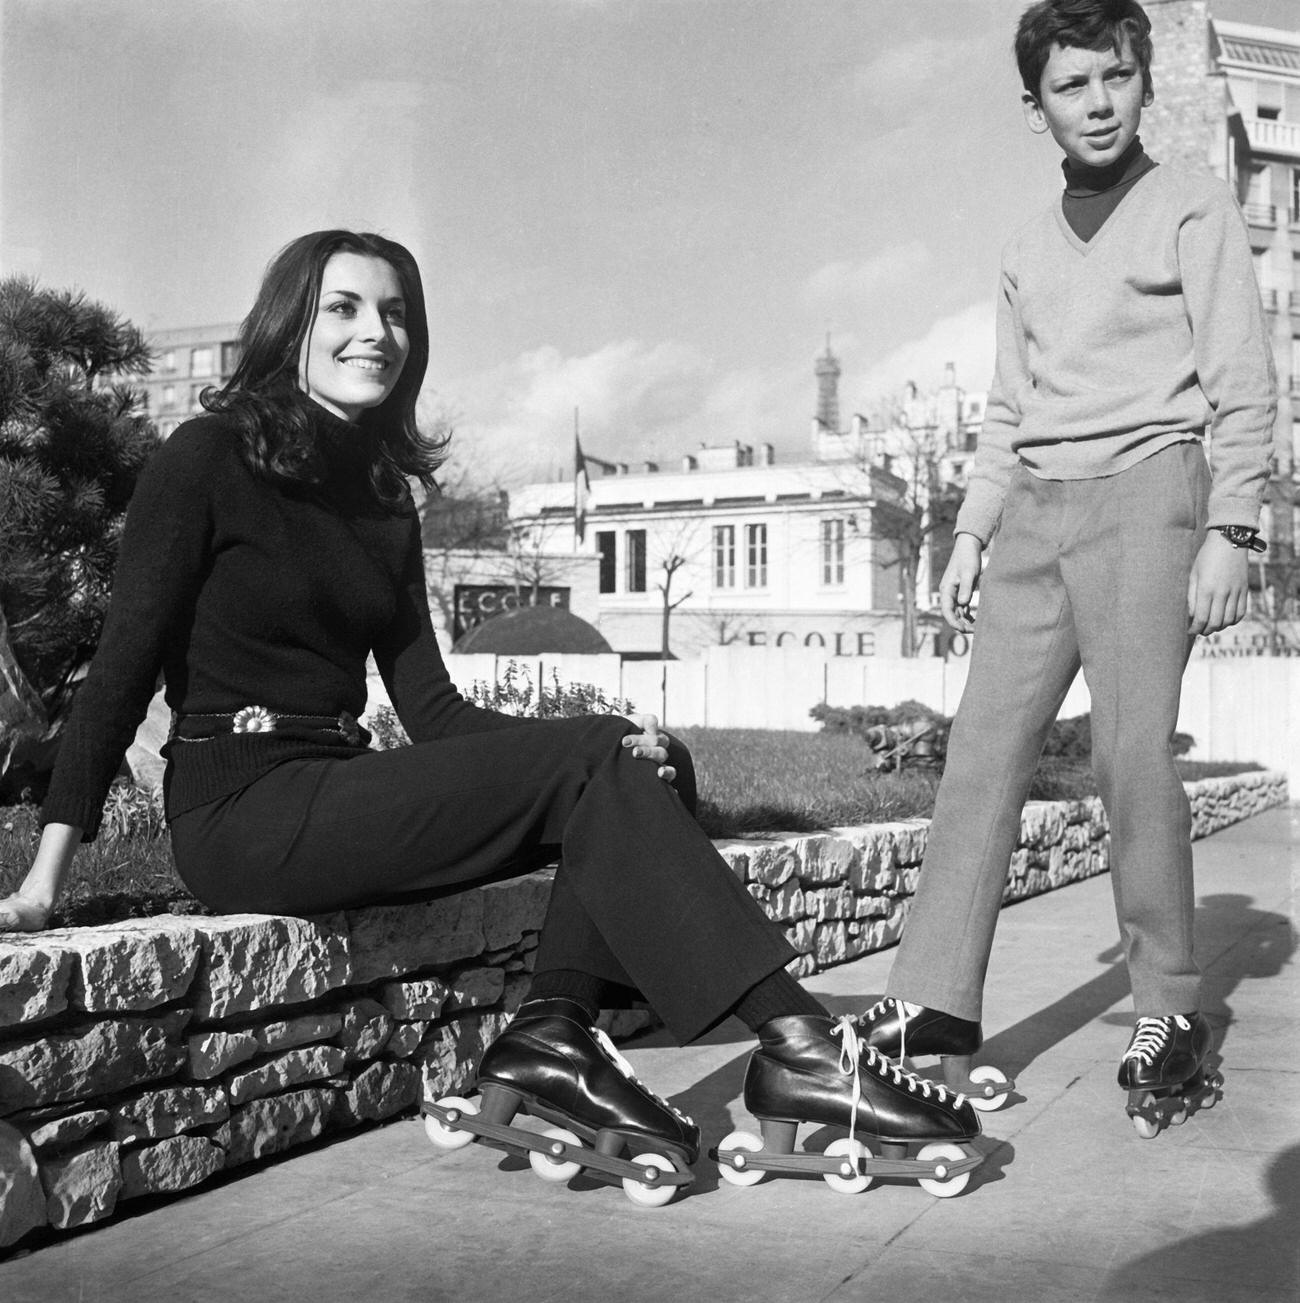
x,y
751,781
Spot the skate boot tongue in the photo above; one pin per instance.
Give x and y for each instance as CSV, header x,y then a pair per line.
x,y
612,1054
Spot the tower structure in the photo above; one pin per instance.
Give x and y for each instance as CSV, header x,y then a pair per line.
x,y
828,390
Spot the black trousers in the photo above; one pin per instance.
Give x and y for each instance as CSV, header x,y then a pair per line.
x,y
641,898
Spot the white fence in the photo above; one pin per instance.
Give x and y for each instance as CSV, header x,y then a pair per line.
x,y
1237,709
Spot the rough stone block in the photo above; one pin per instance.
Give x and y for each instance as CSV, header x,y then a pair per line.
x,y
801,935
473,988
167,1112
292,1068
514,907
22,1198
1041,824
787,902
366,1026
176,1163
269,1126
91,1058
303,1030
82,1185
405,1039
451,1052
129,966
211,1053
877,860
258,961
830,902
382,1090
34,978
396,940
826,860
54,1128
736,855
829,943
803,966
773,862
414,1001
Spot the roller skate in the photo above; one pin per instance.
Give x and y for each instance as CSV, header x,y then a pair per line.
x,y
1165,1074
551,1064
817,1070
904,1032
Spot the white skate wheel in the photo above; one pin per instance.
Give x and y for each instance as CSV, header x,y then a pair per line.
x,y
1146,1127
554,1166
444,1135
748,1141
854,1182
650,1196
986,1076
943,1187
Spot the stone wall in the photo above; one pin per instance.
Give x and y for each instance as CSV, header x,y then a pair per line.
x,y
144,1057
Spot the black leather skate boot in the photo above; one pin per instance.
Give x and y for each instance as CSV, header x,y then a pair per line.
x,y
566,1071
1165,1052
891,1027
814,1069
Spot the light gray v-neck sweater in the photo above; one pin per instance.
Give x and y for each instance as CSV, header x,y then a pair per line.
x,y
1110,350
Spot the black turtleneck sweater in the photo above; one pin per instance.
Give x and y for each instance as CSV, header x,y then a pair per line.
x,y
1093,193
243,593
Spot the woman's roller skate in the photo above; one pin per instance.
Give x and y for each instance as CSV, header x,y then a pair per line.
x,y
1164,1072
817,1070
552,1064
904,1032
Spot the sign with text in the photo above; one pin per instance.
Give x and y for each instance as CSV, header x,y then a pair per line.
x,y
478,602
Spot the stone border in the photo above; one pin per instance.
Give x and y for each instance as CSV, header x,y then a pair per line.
x,y
143,1057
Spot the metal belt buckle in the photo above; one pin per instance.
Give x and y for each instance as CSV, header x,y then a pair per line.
x,y
254,719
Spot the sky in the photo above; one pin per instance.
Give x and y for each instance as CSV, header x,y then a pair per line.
x,y
652,211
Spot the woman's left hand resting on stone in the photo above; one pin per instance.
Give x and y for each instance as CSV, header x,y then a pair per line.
x,y
651,743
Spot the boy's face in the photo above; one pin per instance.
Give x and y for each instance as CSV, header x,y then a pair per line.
x,y
1091,101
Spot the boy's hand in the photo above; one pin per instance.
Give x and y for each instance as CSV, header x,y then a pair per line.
x,y
650,744
1219,588
961,578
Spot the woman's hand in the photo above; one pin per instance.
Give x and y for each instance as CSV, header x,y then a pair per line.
x,y
19,913
1218,591
651,743
961,578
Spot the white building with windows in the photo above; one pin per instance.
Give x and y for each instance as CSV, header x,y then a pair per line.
x,y
734,548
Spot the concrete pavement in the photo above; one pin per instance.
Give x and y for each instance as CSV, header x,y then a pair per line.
x,y
1070,1205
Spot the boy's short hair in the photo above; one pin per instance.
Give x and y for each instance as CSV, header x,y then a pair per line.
x,y
1086,24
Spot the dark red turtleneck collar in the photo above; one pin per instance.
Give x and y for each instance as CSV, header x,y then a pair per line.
x,y
1093,193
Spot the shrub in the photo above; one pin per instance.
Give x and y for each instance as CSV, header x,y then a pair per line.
x,y
511,694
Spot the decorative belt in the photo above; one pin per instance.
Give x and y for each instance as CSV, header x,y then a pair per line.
x,y
261,719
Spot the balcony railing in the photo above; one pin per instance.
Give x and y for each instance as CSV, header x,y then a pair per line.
x,y
1269,299
1273,136
1260,214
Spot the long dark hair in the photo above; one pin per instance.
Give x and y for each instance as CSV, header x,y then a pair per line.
x,y
1086,24
263,397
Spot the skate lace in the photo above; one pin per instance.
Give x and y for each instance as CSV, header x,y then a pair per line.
x,y
855,1053
607,1047
1151,1035
886,1005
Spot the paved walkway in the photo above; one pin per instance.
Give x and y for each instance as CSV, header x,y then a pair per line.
x,y
1070,1205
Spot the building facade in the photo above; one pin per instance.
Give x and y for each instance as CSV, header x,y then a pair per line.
x,y
186,362
732,547
1228,101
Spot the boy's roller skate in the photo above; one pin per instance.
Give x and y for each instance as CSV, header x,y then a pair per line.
x,y
817,1070
1164,1072
552,1064
904,1032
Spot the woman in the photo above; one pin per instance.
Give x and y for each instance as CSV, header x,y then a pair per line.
x,y
270,547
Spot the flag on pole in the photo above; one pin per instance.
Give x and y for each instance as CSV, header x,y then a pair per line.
x,y
581,484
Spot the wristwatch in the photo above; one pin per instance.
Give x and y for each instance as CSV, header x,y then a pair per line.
x,y
1242,536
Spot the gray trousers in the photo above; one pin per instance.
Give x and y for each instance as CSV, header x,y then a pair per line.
x,y
1089,573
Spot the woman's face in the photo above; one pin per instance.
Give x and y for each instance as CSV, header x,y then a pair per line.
x,y
356,344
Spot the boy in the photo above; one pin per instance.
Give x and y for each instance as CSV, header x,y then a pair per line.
x,y
1129,322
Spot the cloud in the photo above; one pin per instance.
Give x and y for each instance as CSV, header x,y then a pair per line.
x,y
965,338
855,288
896,77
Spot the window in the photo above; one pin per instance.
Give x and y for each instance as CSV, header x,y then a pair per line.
x,y
756,556
833,551
634,561
169,396
724,556
201,362
1295,194
229,357
169,360
605,547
